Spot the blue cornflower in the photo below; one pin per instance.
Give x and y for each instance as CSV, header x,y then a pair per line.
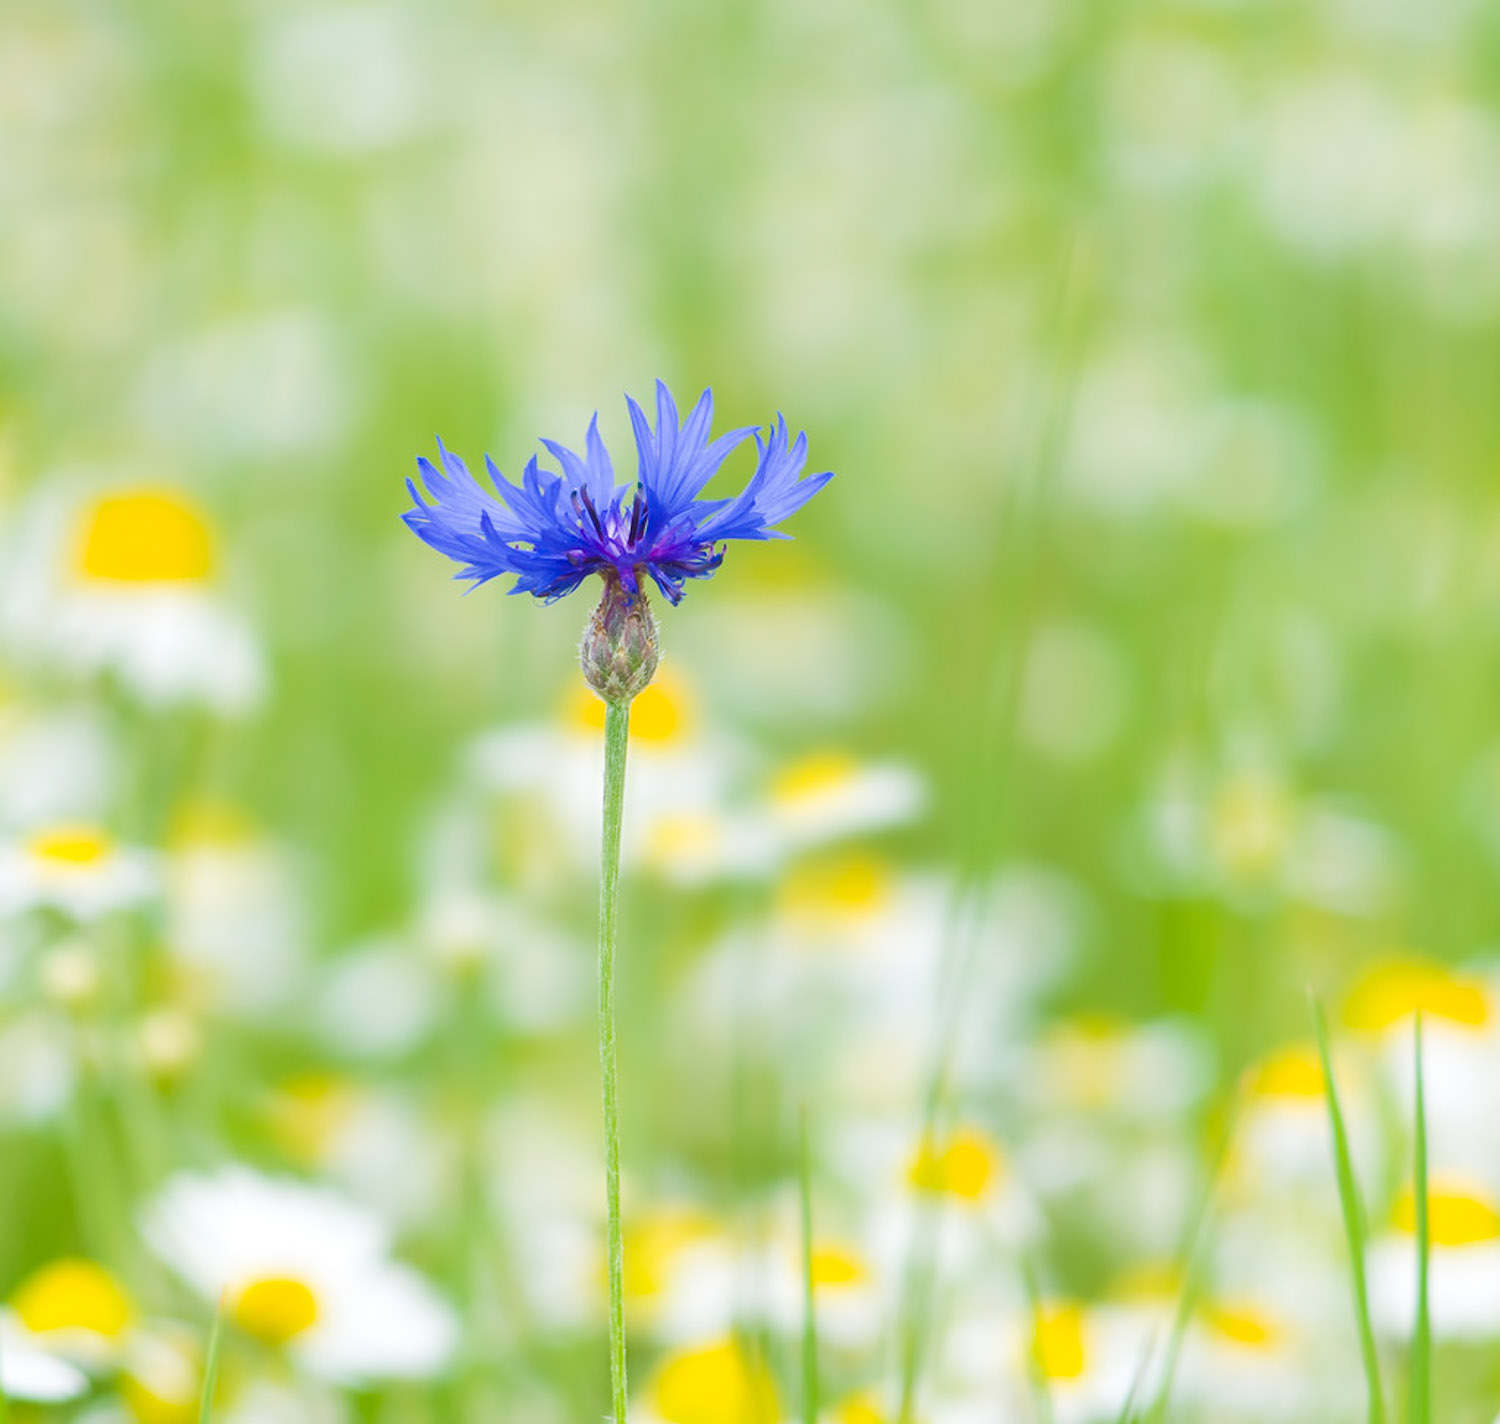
x,y
553,530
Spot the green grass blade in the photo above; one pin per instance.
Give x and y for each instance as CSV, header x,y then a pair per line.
x,y
809,1321
1195,1244
1354,1223
1137,1380
1419,1407
1040,1392
211,1367
1186,1299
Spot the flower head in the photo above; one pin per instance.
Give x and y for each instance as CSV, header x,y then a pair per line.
x,y
555,529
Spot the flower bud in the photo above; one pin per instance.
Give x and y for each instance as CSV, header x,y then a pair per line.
x,y
619,651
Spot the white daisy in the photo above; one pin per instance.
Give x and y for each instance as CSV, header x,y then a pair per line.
x,y
56,763
378,1001
76,868
536,977
829,795
1242,1360
1281,1146
548,775
75,1309
1460,1051
302,1267
36,1069
30,1372
852,1296
1102,1068
955,1195
1463,1224
234,917
123,581
374,1142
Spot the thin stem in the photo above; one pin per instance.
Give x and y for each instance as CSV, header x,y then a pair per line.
x,y
1354,1223
616,737
809,1317
211,1366
1420,1409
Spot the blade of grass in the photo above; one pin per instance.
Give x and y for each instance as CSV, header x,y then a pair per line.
x,y
1419,1407
1041,1395
1354,1223
1187,1298
1194,1247
211,1366
1127,1410
809,1321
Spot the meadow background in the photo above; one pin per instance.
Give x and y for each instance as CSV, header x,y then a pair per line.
x,y
1134,676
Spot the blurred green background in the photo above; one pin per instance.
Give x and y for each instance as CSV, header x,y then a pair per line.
x,y
1155,346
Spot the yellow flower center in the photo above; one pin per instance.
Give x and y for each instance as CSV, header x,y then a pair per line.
x,y
161,1381
859,1409
1456,1216
306,1112
1152,1283
210,824
1292,1072
838,889
147,1406
717,1384
1058,1344
1086,1056
71,845
652,1246
811,777
275,1309
674,839
1395,991
964,1166
837,1266
661,714
1243,1324
74,1294
145,536
1251,824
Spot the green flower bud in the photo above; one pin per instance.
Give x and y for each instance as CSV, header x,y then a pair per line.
x,y
619,651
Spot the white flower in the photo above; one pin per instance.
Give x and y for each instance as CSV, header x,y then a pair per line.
x,y
191,393
36,1069
830,795
1241,1360
375,1142
76,868
302,1267
1101,1067
549,776
378,1001
1330,181
56,763
1463,1264
75,1309
30,1372
536,977
853,1301
1281,1149
234,918
122,581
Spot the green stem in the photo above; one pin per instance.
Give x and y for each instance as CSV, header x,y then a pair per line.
x,y
616,737
1420,1408
809,1316
211,1366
